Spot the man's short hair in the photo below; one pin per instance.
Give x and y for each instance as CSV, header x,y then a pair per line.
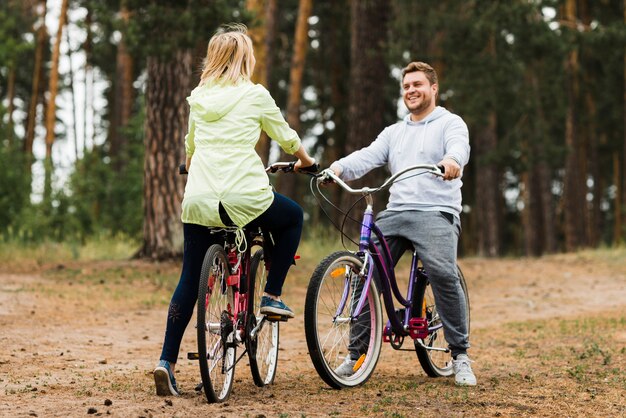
x,y
428,71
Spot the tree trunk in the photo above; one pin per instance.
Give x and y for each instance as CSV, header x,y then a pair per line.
x,y
53,90
487,183
11,99
617,209
34,98
623,193
169,83
88,104
123,98
368,72
263,35
287,184
73,91
573,195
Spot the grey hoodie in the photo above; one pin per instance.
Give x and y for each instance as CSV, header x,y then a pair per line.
x,y
440,135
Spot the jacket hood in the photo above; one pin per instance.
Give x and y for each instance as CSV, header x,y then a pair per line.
x,y
212,101
435,114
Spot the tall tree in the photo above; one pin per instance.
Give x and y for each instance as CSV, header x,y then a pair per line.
x,y
169,82
368,71
487,181
123,96
167,34
53,90
287,184
41,39
574,174
263,33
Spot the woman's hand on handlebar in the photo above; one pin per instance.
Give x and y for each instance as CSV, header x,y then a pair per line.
x,y
305,162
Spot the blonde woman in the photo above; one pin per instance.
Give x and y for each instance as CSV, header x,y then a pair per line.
x,y
227,183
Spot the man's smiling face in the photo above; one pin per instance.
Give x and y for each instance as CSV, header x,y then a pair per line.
x,y
418,94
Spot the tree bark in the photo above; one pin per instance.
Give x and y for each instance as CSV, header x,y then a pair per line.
x,y
487,181
53,90
623,193
573,195
11,99
37,70
487,184
169,83
88,103
262,35
73,91
123,98
287,184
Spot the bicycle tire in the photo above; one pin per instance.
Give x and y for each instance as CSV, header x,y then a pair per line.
x,y
328,339
263,346
216,347
436,363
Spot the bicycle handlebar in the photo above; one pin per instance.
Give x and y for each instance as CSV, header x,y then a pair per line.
x,y
288,167
285,167
327,174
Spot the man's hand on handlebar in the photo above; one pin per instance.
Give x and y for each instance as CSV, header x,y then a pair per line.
x,y
451,169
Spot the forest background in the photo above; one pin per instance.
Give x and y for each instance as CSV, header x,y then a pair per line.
x,y
540,83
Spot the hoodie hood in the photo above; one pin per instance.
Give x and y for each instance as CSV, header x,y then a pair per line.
x,y
437,112
212,101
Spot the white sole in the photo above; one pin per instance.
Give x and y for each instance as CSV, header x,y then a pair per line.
x,y
269,310
162,382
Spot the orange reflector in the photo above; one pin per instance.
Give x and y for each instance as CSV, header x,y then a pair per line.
x,y
358,363
337,272
296,257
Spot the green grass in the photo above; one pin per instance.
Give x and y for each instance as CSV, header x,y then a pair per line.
x,y
20,256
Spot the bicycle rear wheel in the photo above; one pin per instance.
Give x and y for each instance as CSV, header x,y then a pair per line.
x,y
437,362
216,345
330,336
263,345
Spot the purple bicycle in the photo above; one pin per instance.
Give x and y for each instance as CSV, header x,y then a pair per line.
x,y
343,312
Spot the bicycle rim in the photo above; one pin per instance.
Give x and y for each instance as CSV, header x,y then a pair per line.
x,y
216,346
263,346
330,337
435,363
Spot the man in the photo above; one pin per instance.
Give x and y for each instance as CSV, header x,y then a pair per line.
x,y
423,211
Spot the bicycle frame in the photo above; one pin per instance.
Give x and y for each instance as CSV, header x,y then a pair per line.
x,y
239,274
380,257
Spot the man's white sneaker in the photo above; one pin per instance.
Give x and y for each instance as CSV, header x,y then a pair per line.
x,y
463,374
346,369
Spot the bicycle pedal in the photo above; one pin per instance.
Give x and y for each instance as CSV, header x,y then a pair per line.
x,y
193,356
199,387
418,328
277,318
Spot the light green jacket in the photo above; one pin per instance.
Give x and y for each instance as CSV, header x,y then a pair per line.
x,y
225,123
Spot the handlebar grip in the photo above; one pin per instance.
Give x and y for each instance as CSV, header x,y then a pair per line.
x,y
442,168
310,169
182,169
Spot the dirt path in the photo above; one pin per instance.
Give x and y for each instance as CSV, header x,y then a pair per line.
x,y
548,335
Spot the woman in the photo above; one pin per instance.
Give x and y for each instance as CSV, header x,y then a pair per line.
x,y
227,181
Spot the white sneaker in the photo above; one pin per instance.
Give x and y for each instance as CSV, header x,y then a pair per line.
x,y
346,369
463,374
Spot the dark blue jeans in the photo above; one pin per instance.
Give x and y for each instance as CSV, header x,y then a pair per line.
x,y
283,219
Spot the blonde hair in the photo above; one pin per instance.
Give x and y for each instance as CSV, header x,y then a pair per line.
x,y
229,55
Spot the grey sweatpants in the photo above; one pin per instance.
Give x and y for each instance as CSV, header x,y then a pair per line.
x,y
435,237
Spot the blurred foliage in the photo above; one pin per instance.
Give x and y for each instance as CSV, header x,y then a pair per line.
x,y
99,199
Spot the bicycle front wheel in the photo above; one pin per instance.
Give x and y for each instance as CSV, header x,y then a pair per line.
x,y
433,358
262,338
331,332
216,334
